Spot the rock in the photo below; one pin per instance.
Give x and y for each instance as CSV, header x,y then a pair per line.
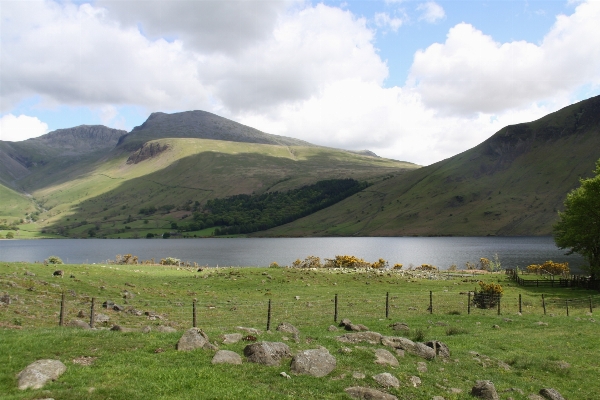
x,y
358,375
364,393
58,272
232,338
226,357
534,396
332,328
441,349
416,348
108,304
387,380
267,353
503,365
415,381
285,375
36,374
119,308
400,326
551,394
248,330
437,398
120,328
286,327
422,367
77,323
357,328
146,329
496,326
369,337
485,390
345,322
540,323
314,362
384,357
101,318
192,339
345,350
165,329
128,295
441,323
5,299
81,314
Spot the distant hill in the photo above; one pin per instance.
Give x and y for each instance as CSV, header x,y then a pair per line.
x,y
511,184
94,181
200,125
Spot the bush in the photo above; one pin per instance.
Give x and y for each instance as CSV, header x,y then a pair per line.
x,y
273,265
126,259
309,262
488,296
346,262
53,260
170,261
397,266
426,267
10,235
380,264
550,267
149,235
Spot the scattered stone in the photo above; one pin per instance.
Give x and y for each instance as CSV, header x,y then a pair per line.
x,y
508,320
422,367
441,349
416,348
365,393
369,337
119,308
146,329
5,299
358,375
455,391
563,365
29,273
441,323
285,375
159,350
534,396
120,328
496,326
515,390
84,360
400,352
248,330
128,295
384,357
101,318
314,362
415,381
249,338
165,329
504,366
192,339
297,297
59,272
345,322
81,314
108,304
345,350
38,373
485,390
339,377
232,338
387,380
267,353
400,326
226,357
540,323
332,328
551,394
437,398
77,323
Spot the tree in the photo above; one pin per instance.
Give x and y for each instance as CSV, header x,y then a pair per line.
x,y
578,228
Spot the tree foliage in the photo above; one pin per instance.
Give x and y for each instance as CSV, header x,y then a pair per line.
x,y
251,213
578,228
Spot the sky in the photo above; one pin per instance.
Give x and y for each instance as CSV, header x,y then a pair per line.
x,y
417,81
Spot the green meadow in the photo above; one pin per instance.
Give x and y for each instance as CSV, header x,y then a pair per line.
x,y
520,352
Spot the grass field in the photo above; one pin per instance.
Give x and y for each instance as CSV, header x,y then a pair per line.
x,y
520,354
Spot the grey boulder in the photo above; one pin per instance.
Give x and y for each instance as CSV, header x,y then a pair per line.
x,y
485,390
36,374
267,353
226,357
384,357
314,362
365,393
416,348
551,394
369,337
387,380
193,339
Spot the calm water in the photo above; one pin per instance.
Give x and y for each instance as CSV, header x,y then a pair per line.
x,y
439,251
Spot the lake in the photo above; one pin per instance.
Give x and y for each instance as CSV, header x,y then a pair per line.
x,y
439,251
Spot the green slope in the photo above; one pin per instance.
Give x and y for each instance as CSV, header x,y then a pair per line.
x,y
511,184
14,205
106,195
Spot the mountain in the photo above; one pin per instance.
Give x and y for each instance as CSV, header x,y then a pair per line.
x,y
200,125
511,184
96,184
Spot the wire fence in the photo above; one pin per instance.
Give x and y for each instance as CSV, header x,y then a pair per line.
x,y
51,309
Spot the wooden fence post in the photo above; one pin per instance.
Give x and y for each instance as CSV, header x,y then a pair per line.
x,y
387,305
61,320
544,303
269,317
567,303
520,307
498,304
469,303
591,305
194,324
93,312
430,302
335,308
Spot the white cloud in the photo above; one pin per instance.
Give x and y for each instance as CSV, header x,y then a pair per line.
x,y
206,25
432,12
471,72
14,129
383,20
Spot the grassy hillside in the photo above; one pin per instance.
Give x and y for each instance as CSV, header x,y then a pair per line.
x,y
107,194
14,205
511,184
522,354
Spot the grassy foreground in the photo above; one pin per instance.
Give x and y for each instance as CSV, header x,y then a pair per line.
x,y
519,356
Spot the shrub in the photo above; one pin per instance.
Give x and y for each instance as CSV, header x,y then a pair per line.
x,y
426,267
469,265
126,259
419,335
274,265
550,267
53,260
149,235
170,261
488,296
453,330
453,267
309,262
10,235
346,262
398,266
380,264
484,264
